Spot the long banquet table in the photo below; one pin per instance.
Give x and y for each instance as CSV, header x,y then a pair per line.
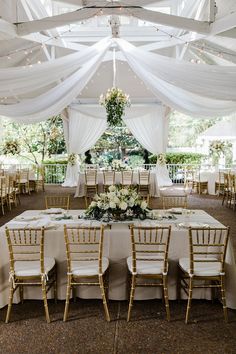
x,y
117,248
80,191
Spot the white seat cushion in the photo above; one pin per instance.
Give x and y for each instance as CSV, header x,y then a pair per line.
x,y
32,268
146,267
88,268
23,180
202,268
175,191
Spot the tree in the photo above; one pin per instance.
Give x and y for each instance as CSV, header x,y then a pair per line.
x,y
35,141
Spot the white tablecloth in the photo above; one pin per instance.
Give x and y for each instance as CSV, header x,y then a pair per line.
x,y
117,247
154,191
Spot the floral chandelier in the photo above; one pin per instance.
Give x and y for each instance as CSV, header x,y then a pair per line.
x,y
115,101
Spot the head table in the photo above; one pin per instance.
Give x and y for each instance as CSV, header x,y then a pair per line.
x,y
117,247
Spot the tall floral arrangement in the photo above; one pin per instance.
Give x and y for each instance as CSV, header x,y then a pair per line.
x,y
72,158
161,159
119,204
115,101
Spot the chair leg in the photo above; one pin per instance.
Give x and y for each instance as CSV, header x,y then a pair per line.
x,y
189,299
21,289
222,287
10,303
55,288
44,292
101,283
166,297
131,298
68,289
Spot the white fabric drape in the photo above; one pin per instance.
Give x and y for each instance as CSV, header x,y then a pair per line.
x,y
187,87
56,99
81,133
149,128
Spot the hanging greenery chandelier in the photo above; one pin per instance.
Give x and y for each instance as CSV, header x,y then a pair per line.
x,y
115,101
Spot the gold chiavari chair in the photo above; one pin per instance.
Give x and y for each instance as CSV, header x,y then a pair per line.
x,y
85,262
108,179
91,185
200,185
149,260
11,191
23,181
127,178
232,190
28,266
3,193
39,180
174,201
226,189
144,184
205,266
219,184
57,201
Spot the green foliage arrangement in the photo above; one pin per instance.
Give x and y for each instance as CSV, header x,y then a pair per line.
x,y
179,158
11,147
115,101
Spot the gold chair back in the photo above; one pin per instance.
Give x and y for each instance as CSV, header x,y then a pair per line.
x,y
55,201
174,201
91,177
126,178
108,177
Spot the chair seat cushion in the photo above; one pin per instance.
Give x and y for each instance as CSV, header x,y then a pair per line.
x,y
88,268
175,191
146,267
23,180
32,268
202,268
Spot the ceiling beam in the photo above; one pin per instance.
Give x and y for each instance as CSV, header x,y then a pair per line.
x,y
7,30
136,11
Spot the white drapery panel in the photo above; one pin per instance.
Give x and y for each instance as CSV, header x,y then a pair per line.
x,y
172,81
149,128
22,80
56,99
81,133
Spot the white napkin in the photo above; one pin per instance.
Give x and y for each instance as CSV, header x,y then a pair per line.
x,y
54,211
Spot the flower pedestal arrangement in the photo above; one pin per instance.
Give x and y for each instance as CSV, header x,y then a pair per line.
x,y
118,204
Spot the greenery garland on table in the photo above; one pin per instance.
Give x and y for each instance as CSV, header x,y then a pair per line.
x,y
115,101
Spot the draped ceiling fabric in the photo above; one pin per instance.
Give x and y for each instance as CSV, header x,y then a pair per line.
x,y
202,90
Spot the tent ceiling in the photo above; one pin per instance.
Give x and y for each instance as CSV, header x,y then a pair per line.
x,y
32,31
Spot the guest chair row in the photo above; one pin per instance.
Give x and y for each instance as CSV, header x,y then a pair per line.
x,y
147,265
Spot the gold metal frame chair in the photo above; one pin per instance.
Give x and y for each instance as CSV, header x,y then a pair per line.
x,y
149,260
23,181
28,266
3,193
39,181
91,184
219,184
127,178
144,184
55,201
199,185
206,262
226,189
85,262
108,179
174,201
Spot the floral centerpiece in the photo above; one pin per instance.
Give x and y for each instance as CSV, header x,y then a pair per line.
x,y
119,165
115,101
217,149
72,158
117,204
161,159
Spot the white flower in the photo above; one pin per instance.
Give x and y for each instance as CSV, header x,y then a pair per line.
x,y
116,200
93,204
124,191
112,188
131,202
143,205
99,204
123,205
112,205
